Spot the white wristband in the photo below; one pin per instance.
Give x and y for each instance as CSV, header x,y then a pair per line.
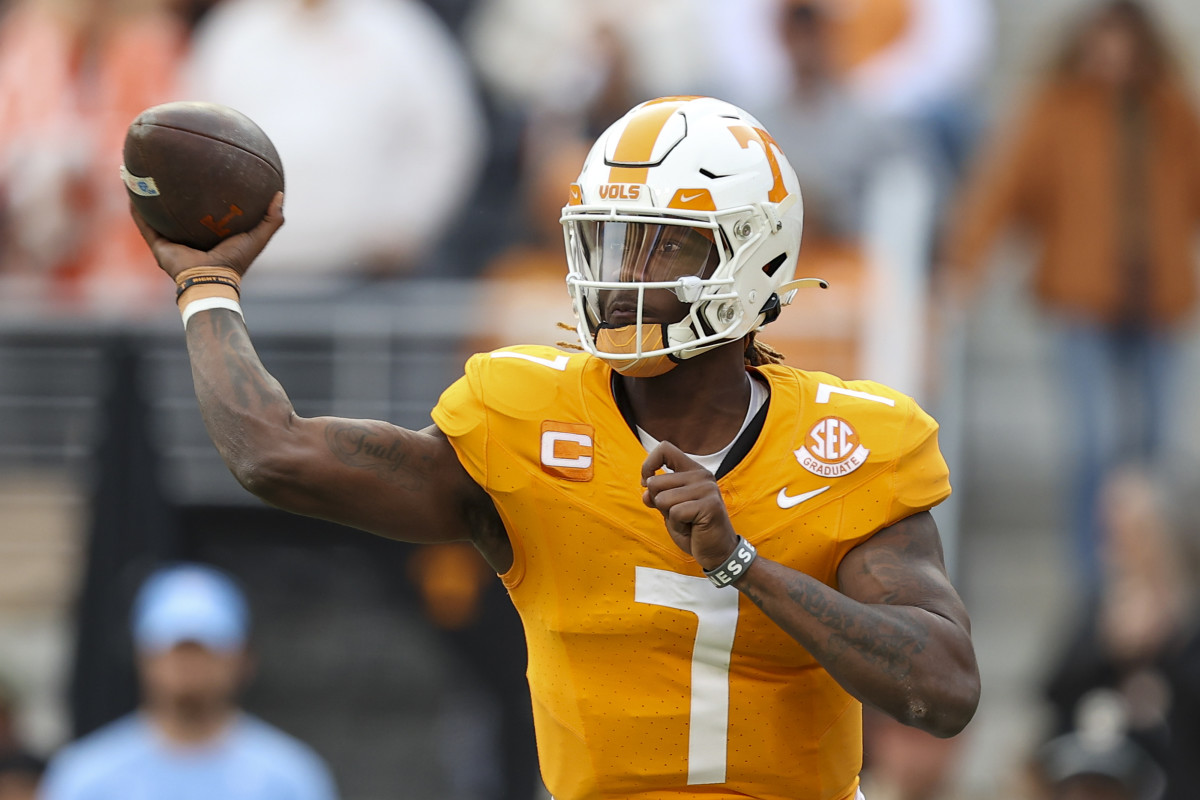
x,y
735,564
208,304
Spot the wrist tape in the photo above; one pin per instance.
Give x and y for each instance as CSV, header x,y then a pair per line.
x,y
735,564
208,304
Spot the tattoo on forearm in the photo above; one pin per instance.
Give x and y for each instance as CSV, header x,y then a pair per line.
x,y
378,450
888,644
231,383
249,380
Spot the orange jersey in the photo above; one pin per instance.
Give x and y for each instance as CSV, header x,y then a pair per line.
x,y
647,680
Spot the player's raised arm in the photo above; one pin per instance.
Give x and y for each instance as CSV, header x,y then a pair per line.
x,y
368,474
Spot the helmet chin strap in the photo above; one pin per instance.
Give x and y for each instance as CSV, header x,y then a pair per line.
x,y
624,340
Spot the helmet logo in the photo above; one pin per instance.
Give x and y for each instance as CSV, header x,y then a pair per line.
x,y
620,191
745,135
693,200
832,449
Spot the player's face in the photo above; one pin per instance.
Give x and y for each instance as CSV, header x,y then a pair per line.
x,y
192,674
629,252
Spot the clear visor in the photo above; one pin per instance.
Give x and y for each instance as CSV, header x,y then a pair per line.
x,y
646,252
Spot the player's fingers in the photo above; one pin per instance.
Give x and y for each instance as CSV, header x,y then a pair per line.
x,y
665,500
680,517
656,485
273,219
669,480
667,455
149,234
652,464
238,252
172,257
675,459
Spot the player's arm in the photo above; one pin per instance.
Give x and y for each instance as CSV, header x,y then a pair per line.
x,y
368,474
896,635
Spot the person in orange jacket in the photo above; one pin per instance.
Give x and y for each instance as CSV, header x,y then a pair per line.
x,y
1102,168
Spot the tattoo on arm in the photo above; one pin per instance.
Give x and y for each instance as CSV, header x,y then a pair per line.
x,y
232,386
378,449
885,641
248,378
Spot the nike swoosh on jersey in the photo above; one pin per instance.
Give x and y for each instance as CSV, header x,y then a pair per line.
x,y
788,501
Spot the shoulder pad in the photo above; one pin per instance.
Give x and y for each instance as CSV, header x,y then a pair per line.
x,y
517,381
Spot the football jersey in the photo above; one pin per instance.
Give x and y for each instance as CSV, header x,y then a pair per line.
x,y
647,680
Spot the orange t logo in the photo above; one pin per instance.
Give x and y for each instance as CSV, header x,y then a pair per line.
x,y
219,226
745,135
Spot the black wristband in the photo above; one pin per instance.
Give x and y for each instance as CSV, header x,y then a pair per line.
x,y
735,564
201,280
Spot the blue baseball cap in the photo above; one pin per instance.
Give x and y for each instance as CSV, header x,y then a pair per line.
x,y
190,603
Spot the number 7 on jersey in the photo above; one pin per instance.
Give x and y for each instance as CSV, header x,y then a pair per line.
x,y
717,613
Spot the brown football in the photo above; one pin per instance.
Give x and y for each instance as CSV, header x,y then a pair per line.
x,y
199,172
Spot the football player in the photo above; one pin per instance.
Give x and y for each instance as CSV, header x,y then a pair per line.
x,y
716,558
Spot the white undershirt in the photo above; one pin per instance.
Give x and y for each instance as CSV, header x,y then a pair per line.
x,y
712,461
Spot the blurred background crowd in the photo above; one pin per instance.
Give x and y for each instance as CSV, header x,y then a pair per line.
x,y
1003,194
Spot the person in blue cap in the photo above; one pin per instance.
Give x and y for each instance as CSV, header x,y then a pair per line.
x,y
189,740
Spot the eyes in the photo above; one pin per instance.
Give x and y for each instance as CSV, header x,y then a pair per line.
x,y
665,246
631,252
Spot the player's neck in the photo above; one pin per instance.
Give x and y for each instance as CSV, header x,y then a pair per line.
x,y
698,406
191,725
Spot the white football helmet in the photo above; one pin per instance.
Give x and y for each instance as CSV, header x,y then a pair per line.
x,y
688,194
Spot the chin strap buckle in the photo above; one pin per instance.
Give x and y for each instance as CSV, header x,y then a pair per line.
x,y
770,310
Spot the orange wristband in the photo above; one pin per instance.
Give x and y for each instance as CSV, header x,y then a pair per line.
x,y
197,283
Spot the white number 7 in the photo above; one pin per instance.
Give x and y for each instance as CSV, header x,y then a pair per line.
x,y
559,363
717,612
824,391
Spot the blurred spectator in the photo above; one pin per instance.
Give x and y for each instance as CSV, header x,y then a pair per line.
x,y
189,739
902,763
1097,760
1139,641
10,740
20,775
484,726
920,61
373,109
20,769
588,62
1103,169
73,75
833,140
842,151
523,290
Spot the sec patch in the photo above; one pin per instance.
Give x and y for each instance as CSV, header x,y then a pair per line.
x,y
832,449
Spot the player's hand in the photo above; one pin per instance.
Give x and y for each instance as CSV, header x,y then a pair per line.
x,y
237,252
691,504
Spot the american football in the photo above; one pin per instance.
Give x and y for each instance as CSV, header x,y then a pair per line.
x,y
199,172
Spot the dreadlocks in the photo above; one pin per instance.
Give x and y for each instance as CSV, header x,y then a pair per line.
x,y
760,353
